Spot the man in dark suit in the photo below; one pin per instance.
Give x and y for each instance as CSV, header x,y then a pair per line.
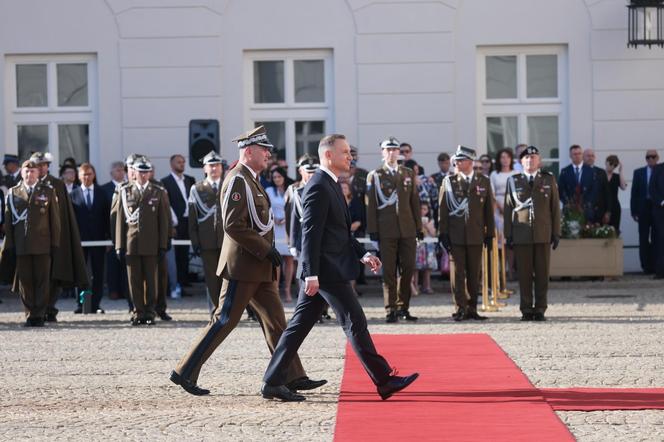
x,y
601,196
656,190
577,184
116,270
92,207
642,210
177,186
327,265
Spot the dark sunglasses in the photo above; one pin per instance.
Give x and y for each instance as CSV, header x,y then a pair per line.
x,y
405,151
651,157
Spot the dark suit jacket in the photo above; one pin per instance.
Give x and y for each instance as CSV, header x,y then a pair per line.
x,y
594,190
329,250
178,203
657,186
109,189
637,202
93,223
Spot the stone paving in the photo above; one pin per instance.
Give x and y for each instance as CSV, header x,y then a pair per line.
x,y
94,377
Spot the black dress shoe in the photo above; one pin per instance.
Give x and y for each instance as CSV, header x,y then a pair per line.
x,y
51,317
395,384
34,322
327,316
405,314
281,392
100,311
476,316
187,385
165,316
305,384
460,315
321,319
135,321
538,316
527,317
391,317
148,321
78,310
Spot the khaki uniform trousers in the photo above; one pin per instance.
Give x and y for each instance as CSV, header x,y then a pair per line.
x,y
212,281
467,271
34,273
397,254
263,297
532,263
143,281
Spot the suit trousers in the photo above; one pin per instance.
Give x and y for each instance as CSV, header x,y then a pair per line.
x,y
162,285
182,252
142,271
532,263
263,297
341,297
33,274
467,271
646,238
212,281
658,241
94,258
397,255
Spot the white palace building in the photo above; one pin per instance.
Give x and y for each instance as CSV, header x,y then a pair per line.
x,y
99,79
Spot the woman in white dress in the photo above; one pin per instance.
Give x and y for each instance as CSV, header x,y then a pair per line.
x,y
504,170
276,193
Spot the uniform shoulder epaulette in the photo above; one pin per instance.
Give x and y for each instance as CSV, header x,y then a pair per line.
x,y
158,185
406,169
546,172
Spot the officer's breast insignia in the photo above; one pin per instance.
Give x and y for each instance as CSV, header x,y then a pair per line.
x,y
407,181
236,196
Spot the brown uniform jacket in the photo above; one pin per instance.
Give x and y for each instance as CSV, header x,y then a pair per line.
x,y
150,234
207,234
244,250
68,263
388,222
479,223
537,223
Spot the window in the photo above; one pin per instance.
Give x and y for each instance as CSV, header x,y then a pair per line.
x,y
290,93
51,107
522,99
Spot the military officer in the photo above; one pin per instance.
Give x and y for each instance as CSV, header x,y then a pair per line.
x,y
306,165
32,233
248,264
394,221
141,234
205,227
68,264
532,228
465,221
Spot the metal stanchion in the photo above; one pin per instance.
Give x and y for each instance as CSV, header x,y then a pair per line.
x,y
495,277
486,303
504,291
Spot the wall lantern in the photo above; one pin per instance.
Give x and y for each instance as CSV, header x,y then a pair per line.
x,y
645,24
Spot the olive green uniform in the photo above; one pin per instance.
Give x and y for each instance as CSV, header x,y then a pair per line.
x,y
393,212
249,278
466,216
206,232
32,230
144,236
532,218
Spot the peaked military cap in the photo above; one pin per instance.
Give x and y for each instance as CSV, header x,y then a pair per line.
x,y
41,157
464,153
530,150
132,158
390,143
255,136
309,163
141,164
212,158
9,158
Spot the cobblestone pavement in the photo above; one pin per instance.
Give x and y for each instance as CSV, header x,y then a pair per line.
x,y
94,377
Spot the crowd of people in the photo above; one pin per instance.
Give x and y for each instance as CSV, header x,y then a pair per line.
x,y
420,224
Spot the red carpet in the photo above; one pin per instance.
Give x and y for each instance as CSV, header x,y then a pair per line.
x,y
592,399
468,390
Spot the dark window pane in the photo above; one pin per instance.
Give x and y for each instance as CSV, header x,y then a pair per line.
x,y
268,81
74,140
501,77
542,76
72,84
307,137
501,132
32,138
276,132
31,88
309,81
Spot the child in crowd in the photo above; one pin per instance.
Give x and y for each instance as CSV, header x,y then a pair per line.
x,y
426,259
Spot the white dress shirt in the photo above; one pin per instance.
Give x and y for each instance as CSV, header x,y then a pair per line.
x,y
91,190
183,190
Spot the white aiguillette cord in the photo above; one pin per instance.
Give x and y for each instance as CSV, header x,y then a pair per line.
x,y
202,208
456,208
520,205
263,229
16,218
384,201
131,218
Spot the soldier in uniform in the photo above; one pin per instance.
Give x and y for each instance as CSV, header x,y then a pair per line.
x,y
466,222
532,228
205,226
33,232
141,234
248,264
394,221
68,264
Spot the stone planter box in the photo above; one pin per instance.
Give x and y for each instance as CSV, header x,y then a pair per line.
x,y
588,257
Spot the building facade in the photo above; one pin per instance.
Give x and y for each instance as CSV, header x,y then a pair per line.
x,y
99,79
